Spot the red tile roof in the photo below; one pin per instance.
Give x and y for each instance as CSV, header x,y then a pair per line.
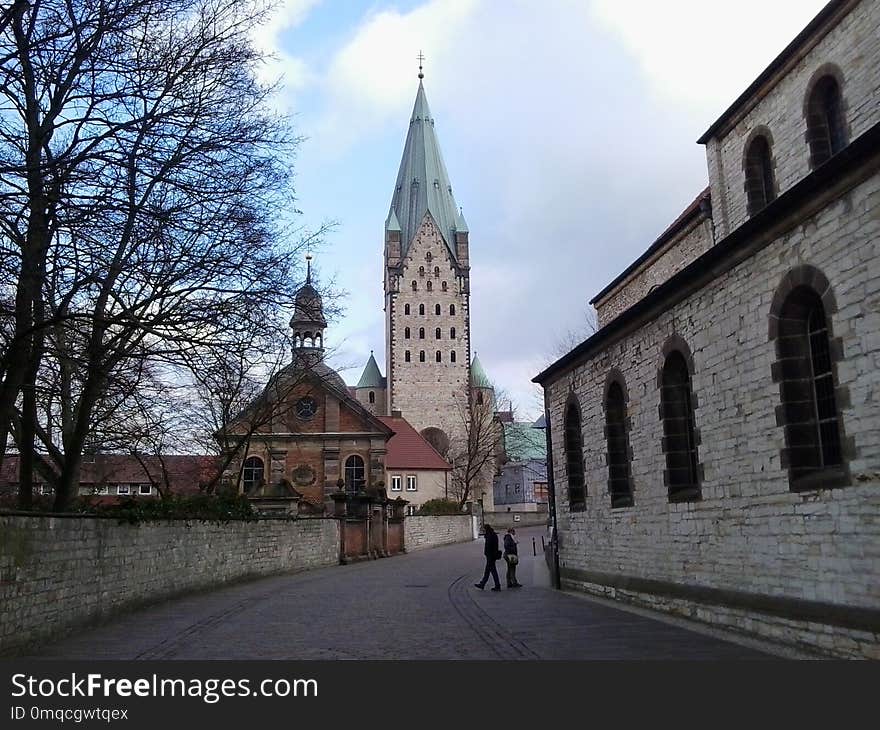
x,y
408,449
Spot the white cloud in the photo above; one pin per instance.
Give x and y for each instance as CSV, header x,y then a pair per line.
x,y
267,38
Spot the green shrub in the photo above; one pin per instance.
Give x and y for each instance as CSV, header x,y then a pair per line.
x,y
207,507
440,507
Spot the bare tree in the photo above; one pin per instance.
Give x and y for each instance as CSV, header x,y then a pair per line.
x,y
143,190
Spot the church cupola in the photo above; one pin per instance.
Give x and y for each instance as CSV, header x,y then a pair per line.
x,y
308,323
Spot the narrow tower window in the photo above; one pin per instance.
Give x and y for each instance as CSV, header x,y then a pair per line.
x,y
415,286
372,397
437,271
421,333
421,270
437,334
430,286
406,308
437,309
452,309
421,356
760,186
452,356
406,333
406,356
443,286
438,356
452,333
421,309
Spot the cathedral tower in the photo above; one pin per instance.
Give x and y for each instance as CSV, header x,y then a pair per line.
x,y
427,285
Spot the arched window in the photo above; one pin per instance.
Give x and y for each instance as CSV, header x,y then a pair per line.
x,y
430,286
438,356
452,333
574,458
805,371
355,477
452,309
406,333
479,397
437,271
415,286
452,356
826,128
406,308
421,333
760,187
422,309
443,286
428,257
252,473
421,356
617,437
372,397
436,309
679,432
406,356
421,270
437,334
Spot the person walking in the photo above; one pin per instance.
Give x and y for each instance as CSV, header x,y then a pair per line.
x,y
492,553
511,558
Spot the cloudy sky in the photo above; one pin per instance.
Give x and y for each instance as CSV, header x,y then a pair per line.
x,y
568,128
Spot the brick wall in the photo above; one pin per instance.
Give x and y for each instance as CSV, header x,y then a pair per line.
x,y
749,533
853,45
58,572
431,531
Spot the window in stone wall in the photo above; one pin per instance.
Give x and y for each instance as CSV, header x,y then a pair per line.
x,y
406,333
428,257
406,356
406,308
574,458
421,356
430,286
617,437
452,309
438,356
422,309
760,186
452,333
452,356
372,397
355,475
437,333
421,270
809,412
443,286
437,309
826,126
252,474
437,271
415,286
679,433
421,333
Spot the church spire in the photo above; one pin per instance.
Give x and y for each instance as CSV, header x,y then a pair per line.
x,y
422,181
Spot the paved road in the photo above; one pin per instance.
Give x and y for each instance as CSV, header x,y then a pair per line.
x,y
417,606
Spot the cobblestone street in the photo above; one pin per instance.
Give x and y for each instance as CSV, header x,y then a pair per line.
x,y
417,606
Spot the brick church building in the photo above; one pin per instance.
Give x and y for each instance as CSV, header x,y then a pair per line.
x,y
716,444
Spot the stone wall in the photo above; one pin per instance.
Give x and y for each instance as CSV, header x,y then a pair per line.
x,y
749,533
431,531
853,45
60,572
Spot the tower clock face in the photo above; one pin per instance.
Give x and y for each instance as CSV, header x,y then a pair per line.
x,y
306,407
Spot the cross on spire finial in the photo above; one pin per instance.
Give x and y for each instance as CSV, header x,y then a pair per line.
x,y
421,58
308,268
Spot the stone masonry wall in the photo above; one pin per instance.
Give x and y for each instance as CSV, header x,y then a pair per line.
x,y
687,246
431,531
749,532
853,46
426,392
60,572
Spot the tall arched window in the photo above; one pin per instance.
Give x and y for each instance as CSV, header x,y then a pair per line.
x,y
437,271
679,432
438,356
430,286
421,333
479,397
437,309
406,333
252,473
428,257
617,437
406,308
421,356
406,356
355,476
437,334
421,270
452,356
574,458
415,286
760,186
452,309
452,333
422,309
443,286
372,397
826,127
805,371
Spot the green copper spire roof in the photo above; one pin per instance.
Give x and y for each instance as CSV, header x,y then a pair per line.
x,y
371,377
392,224
478,375
422,181
461,224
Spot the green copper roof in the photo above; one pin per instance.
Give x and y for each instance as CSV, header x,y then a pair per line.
x,y
422,181
392,224
522,441
371,377
478,375
461,224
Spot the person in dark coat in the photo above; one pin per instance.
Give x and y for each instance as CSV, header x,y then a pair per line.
x,y
511,558
492,553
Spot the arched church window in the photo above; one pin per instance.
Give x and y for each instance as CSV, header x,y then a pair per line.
x,y
406,333
826,132
437,334
617,439
372,397
452,309
679,432
438,356
406,308
421,333
421,309
252,473
436,309
760,185
452,333
421,270
415,286
574,457
421,356
452,356
437,271
428,257
430,286
355,475
443,286
406,356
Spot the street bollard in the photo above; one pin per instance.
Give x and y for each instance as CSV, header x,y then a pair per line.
x,y
543,546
